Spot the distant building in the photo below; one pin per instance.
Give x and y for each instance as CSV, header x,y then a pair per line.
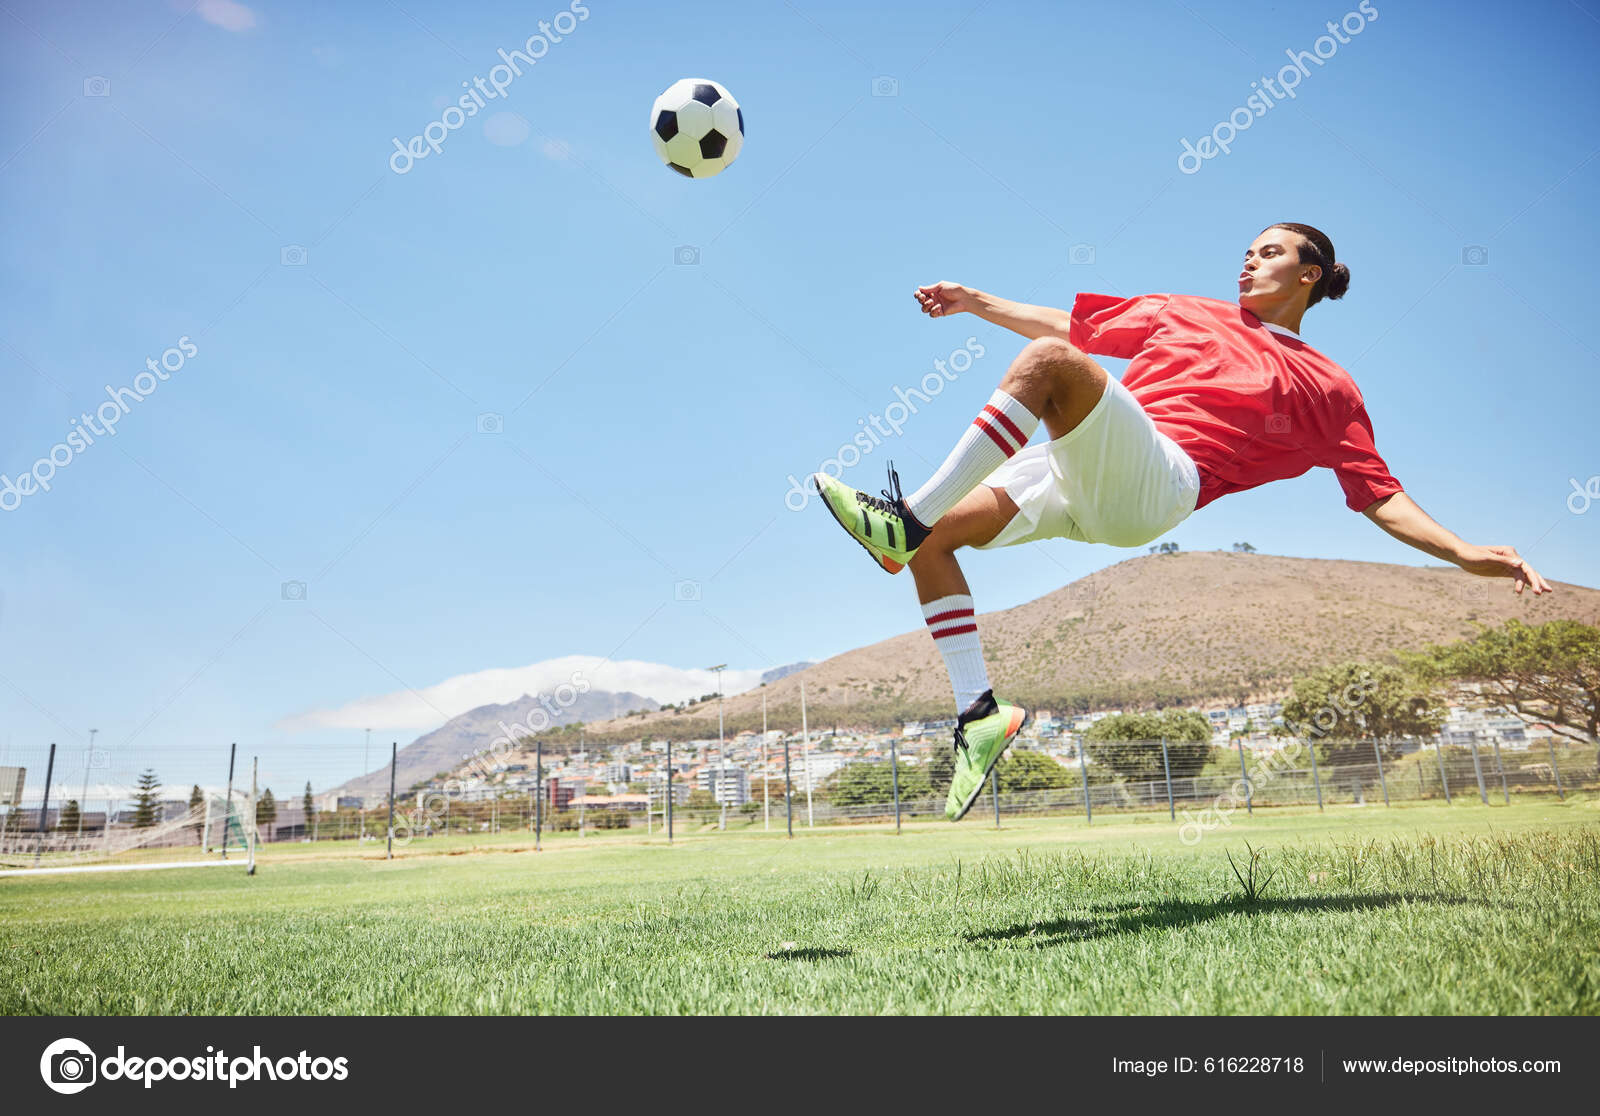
x,y
729,785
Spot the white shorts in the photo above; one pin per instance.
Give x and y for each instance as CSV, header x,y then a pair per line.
x,y
1113,479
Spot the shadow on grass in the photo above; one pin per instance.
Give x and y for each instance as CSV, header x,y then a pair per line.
x,y
808,954
1136,918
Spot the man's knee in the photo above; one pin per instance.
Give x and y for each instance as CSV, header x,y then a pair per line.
x,y
1047,363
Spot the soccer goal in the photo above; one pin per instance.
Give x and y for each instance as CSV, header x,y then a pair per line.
x,y
44,837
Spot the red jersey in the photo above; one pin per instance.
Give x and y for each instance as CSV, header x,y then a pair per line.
x,y
1248,401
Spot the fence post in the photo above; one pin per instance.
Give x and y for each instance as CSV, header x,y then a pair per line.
x,y
227,802
1172,810
1383,781
994,792
1316,778
668,785
394,755
538,787
788,789
1249,805
1561,793
1083,766
251,836
1498,762
894,779
44,810
1477,768
1444,779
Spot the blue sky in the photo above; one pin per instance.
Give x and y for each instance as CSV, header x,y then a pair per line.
x,y
350,324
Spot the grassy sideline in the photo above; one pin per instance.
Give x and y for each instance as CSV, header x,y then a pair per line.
x,y
1426,909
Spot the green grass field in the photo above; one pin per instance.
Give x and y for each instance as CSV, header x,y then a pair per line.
x,y
1426,909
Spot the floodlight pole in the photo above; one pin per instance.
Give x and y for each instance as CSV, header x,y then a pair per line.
x,y
766,790
805,751
668,786
716,779
788,788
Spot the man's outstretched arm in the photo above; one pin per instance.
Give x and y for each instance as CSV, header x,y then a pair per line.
x,y
1401,517
940,300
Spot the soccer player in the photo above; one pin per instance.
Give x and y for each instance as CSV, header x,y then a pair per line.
x,y
1217,397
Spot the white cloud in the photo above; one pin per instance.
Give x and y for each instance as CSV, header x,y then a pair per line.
x,y
430,707
227,14
505,129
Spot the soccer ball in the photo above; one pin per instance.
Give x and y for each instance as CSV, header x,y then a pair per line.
x,y
697,127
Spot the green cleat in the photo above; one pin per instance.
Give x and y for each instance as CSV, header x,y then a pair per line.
x,y
884,526
982,734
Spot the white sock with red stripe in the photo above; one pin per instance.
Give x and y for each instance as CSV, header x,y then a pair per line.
x,y
1001,429
955,634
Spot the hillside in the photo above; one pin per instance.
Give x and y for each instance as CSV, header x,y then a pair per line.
x,y
1186,628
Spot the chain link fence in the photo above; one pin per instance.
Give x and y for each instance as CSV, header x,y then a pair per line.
x,y
61,805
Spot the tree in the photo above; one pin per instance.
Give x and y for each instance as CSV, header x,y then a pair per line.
x,y
1343,708
309,804
197,802
1548,673
1243,548
266,811
1129,743
1028,771
146,800
69,815
859,784
941,768
700,799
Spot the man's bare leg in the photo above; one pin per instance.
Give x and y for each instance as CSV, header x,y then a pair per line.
x,y
978,518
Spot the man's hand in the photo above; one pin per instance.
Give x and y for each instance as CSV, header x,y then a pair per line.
x,y
940,300
1503,561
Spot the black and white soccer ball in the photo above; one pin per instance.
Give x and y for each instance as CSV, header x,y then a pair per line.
x,y
697,127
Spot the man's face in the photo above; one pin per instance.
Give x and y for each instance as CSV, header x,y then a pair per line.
x,y
1273,274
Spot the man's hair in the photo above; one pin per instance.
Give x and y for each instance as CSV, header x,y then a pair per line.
x,y
1316,248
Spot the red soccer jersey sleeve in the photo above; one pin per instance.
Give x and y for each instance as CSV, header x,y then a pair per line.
x,y
1361,471
1114,327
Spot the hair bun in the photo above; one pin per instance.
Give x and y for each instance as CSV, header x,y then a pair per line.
x,y
1338,281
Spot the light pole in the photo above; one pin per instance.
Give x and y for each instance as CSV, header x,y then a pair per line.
x,y
716,779
366,757
84,799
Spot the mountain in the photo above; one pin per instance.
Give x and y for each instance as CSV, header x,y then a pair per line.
x,y
783,672
1193,627
443,748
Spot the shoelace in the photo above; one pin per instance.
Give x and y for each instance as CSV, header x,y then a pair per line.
x,y
961,739
892,497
